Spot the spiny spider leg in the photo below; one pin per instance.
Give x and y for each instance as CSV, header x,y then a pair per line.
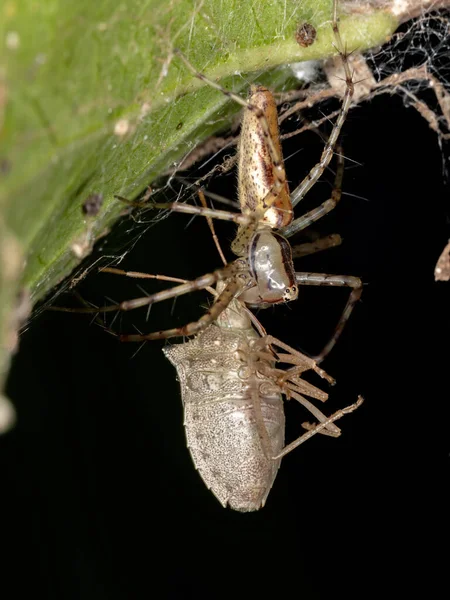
x,y
330,241
140,275
322,279
246,220
302,189
223,299
190,209
201,195
320,211
233,270
232,289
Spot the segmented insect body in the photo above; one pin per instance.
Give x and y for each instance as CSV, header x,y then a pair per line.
x,y
233,408
218,386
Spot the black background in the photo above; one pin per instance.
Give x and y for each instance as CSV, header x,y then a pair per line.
x,y
101,498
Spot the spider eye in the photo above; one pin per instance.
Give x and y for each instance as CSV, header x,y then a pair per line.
x,y
290,293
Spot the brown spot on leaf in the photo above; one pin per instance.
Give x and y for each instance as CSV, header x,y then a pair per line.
x,y
305,35
92,205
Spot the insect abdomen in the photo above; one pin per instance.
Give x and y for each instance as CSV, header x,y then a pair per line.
x,y
223,440
220,423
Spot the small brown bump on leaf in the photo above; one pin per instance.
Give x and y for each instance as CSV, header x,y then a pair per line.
x,y
5,166
305,35
92,204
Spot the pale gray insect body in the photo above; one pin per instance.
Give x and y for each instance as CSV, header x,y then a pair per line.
x,y
233,406
223,395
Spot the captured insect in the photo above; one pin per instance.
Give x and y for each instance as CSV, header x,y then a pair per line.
x,y
263,274
232,393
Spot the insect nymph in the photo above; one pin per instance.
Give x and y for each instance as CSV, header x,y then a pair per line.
x,y
233,408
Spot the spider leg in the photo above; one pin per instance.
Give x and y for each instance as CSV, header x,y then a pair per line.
x,y
320,211
302,189
334,281
201,195
234,269
190,209
140,275
330,241
232,289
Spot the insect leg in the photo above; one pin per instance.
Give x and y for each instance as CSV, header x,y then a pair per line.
x,y
330,429
297,357
292,377
319,428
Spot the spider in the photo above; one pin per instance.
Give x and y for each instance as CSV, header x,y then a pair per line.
x,y
264,273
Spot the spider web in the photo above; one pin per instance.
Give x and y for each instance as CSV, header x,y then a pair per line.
x,y
415,65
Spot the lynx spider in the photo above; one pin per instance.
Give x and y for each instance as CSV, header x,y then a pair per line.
x,y
263,274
